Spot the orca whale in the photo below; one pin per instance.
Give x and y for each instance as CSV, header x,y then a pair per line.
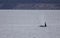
x,y
43,25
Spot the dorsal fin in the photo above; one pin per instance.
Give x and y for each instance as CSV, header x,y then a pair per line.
x,y
45,24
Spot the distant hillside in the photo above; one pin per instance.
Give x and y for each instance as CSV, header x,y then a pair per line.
x,y
32,1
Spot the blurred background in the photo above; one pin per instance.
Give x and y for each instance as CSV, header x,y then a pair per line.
x,y
29,4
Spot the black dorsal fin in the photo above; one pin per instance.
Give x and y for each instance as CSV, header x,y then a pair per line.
x,y
45,24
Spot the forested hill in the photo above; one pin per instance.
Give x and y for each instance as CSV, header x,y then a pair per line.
x,y
32,1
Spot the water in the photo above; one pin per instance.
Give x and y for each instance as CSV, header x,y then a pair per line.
x,y
25,24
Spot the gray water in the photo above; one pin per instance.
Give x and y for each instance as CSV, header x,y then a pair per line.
x,y
25,23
